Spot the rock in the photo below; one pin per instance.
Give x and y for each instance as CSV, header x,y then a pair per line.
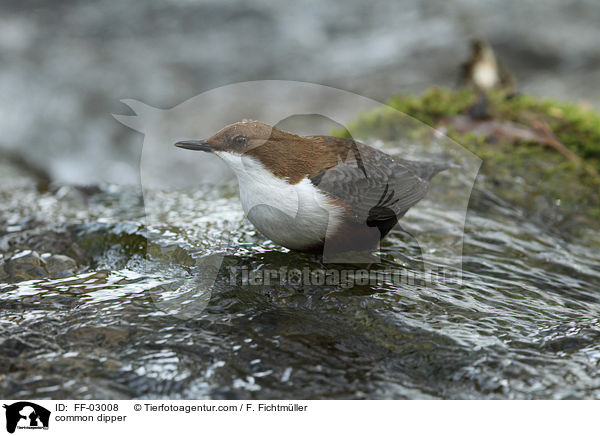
x,y
3,273
42,239
29,265
26,265
59,266
539,156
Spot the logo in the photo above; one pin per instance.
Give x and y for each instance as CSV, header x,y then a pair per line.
x,y
26,415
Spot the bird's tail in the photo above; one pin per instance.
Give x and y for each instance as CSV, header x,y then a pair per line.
x,y
427,170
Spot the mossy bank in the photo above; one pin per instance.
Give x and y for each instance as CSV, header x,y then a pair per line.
x,y
542,156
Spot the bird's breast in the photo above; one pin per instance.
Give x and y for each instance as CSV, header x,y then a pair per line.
x,y
295,216
298,216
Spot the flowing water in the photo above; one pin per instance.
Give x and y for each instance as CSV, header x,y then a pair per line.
x,y
137,320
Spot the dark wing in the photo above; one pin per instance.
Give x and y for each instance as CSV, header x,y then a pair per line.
x,y
378,188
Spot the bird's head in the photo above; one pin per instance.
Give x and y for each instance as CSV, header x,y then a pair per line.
x,y
239,138
242,144
285,154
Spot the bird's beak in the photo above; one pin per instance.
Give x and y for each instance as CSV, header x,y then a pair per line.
x,y
195,145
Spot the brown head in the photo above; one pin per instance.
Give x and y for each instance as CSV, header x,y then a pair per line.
x,y
239,138
482,51
287,155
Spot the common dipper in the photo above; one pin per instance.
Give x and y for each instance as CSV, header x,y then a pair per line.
x,y
483,71
317,193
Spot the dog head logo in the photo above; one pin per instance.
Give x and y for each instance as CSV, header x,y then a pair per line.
x,y
26,415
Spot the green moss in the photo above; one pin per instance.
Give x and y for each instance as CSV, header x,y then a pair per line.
x,y
435,104
577,127
542,170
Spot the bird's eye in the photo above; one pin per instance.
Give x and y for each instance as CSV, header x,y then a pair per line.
x,y
240,140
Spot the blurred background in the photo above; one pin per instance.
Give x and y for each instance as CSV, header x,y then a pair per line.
x,y
66,63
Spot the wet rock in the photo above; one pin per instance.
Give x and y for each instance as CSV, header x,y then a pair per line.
x,y
29,265
13,347
59,266
3,273
44,240
26,265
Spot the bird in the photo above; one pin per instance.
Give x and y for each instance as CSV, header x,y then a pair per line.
x,y
317,194
483,71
